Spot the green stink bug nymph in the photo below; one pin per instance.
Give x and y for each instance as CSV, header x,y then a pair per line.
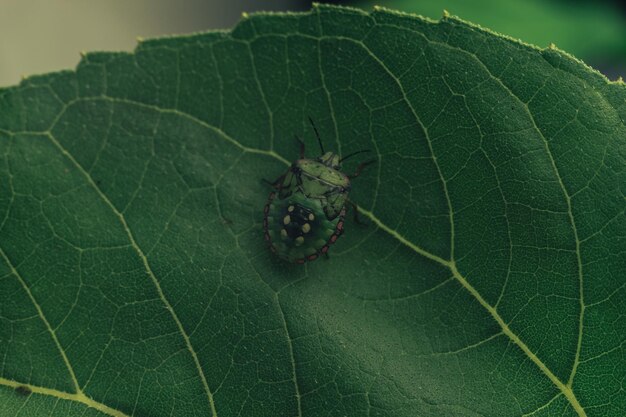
x,y
304,215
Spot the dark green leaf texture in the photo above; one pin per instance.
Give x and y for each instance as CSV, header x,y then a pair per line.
x,y
488,280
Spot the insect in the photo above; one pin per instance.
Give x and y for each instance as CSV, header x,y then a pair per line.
x,y
305,212
23,390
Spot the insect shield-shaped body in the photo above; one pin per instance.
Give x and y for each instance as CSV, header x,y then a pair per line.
x,y
305,213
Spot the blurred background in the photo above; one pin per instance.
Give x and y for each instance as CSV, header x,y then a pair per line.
x,y
39,36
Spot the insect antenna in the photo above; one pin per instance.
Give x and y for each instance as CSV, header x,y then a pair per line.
x,y
352,154
318,135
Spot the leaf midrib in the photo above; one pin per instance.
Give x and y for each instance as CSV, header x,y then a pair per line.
x,y
566,195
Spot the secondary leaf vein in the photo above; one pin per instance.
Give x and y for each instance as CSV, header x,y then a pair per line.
x,y
147,267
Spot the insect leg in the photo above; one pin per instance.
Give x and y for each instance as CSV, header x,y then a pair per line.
x,y
360,168
276,183
301,146
319,140
356,213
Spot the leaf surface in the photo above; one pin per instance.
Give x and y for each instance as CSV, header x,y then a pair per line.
x,y
488,280
593,31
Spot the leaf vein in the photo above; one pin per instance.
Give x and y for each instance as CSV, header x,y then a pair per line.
x,y
60,395
147,267
55,339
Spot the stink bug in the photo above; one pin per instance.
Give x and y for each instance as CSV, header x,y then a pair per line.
x,y
304,214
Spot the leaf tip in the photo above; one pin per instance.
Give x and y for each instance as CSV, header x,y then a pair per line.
x,y
552,46
139,39
83,54
244,15
446,14
620,80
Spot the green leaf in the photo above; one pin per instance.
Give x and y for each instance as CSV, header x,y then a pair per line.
x,y
593,30
488,280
